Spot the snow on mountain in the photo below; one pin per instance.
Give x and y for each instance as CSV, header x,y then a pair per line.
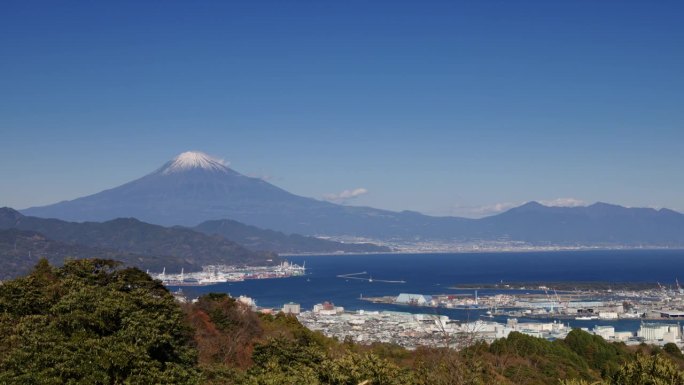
x,y
194,160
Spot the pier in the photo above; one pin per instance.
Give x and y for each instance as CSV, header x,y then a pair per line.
x,y
369,278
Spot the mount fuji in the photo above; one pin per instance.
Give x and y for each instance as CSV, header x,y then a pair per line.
x,y
194,188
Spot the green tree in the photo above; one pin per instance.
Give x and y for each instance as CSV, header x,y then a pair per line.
x,y
649,370
673,350
352,369
600,354
92,322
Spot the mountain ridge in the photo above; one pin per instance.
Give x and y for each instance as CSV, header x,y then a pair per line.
x,y
154,247
599,223
131,235
20,250
255,238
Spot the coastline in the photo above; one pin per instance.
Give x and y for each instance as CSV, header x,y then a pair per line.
x,y
540,249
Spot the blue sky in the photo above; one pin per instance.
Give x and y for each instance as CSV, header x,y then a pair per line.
x,y
444,107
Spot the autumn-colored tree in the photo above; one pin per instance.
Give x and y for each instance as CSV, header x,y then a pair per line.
x,y
225,330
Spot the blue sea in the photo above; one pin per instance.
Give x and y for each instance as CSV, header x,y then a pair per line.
x,y
437,273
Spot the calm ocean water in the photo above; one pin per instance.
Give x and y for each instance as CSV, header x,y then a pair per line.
x,y
435,273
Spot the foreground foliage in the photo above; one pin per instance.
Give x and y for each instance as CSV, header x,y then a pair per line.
x,y
645,370
93,322
90,322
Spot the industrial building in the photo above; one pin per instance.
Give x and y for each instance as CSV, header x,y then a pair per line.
x,y
413,299
654,332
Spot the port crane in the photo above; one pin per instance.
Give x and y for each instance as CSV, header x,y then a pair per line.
x,y
548,297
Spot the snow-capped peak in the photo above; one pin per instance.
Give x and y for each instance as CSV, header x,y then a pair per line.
x,y
193,160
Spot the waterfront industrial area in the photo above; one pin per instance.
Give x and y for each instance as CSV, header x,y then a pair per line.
x,y
553,308
659,310
539,311
545,302
214,274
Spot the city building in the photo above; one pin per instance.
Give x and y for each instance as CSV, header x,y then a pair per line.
x,y
327,308
291,308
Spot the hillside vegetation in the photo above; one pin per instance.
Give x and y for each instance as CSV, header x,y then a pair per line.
x,y
155,246
21,250
95,322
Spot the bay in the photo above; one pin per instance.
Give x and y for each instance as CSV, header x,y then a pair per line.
x,y
439,273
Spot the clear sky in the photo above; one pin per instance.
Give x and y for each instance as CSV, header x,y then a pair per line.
x,y
443,107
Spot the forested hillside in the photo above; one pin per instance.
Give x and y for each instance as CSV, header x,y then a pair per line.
x,y
156,246
95,322
21,250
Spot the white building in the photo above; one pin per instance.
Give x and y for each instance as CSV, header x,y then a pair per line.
x,y
608,315
660,332
291,308
606,332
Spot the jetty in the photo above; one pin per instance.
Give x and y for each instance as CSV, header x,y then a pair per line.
x,y
369,278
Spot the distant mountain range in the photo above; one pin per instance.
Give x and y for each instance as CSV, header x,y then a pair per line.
x,y
194,188
598,224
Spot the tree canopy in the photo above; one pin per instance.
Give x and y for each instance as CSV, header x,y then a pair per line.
x,y
96,322
92,322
